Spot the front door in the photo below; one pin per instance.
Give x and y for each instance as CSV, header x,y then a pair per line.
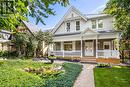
x,y
89,49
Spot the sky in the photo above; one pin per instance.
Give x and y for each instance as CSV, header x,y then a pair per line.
x,y
84,6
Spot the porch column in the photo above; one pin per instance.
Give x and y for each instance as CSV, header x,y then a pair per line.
x,y
81,47
96,46
62,48
118,44
73,45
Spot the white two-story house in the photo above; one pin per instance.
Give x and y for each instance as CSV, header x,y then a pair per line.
x,y
90,35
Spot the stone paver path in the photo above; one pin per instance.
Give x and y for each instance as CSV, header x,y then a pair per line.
x,y
86,78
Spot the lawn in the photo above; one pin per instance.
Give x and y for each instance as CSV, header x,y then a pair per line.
x,y
112,77
12,74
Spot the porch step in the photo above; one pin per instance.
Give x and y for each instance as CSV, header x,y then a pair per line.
x,y
88,60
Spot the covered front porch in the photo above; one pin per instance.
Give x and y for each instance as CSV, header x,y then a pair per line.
x,y
88,43
101,48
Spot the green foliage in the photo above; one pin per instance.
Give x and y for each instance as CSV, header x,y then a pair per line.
x,y
24,43
43,37
52,57
112,77
120,9
47,37
103,65
12,74
1,63
67,79
37,9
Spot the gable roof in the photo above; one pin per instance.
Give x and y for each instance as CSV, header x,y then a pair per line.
x,y
72,8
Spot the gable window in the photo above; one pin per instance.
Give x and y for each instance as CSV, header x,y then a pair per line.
x,y
68,26
93,24
100,23
77,25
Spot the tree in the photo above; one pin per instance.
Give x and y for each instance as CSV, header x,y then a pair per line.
x,y
37,9
44,40
120,10
24,44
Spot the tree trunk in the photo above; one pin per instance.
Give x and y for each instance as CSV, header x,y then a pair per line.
x,y
122,56
19,51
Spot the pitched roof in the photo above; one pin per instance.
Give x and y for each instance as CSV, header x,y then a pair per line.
x,y
90,16
5,31
33,28
72,8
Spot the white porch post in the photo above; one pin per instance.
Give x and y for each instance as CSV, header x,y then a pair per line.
x,y
118,39
96,46
62,48
81,47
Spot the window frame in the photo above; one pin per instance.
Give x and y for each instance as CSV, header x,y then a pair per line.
x,y
98,23
68,43
95,24
77,26
57,44
68,27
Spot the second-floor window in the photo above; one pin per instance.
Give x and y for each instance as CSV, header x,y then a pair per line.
x,y
100,23
97,24
77,25
93,24
68,26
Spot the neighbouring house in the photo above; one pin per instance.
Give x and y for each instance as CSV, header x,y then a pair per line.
x,y
86,35
7,36
5,43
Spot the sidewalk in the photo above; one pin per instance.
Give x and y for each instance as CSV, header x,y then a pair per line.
x,y
85,78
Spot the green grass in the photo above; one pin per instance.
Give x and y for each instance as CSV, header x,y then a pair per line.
x,y
13,75
112,77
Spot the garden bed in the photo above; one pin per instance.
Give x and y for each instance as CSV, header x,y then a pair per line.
x,y
19,73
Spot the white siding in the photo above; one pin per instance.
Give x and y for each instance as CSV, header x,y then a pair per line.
x,y
72,13
107,23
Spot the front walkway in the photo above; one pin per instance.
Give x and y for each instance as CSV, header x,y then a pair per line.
x,y
85,78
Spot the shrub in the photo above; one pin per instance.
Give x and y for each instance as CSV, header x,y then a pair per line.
x,y
8,54
1,62
68,78
103,65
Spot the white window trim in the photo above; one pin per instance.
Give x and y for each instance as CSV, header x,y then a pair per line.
x,y
97,24
97,27
79,25
66,26
92,24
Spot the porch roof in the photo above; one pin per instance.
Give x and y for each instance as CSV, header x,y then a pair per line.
x,y
87,34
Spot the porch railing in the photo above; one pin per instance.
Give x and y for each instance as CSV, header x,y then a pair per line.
x,y
67,53
108,53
